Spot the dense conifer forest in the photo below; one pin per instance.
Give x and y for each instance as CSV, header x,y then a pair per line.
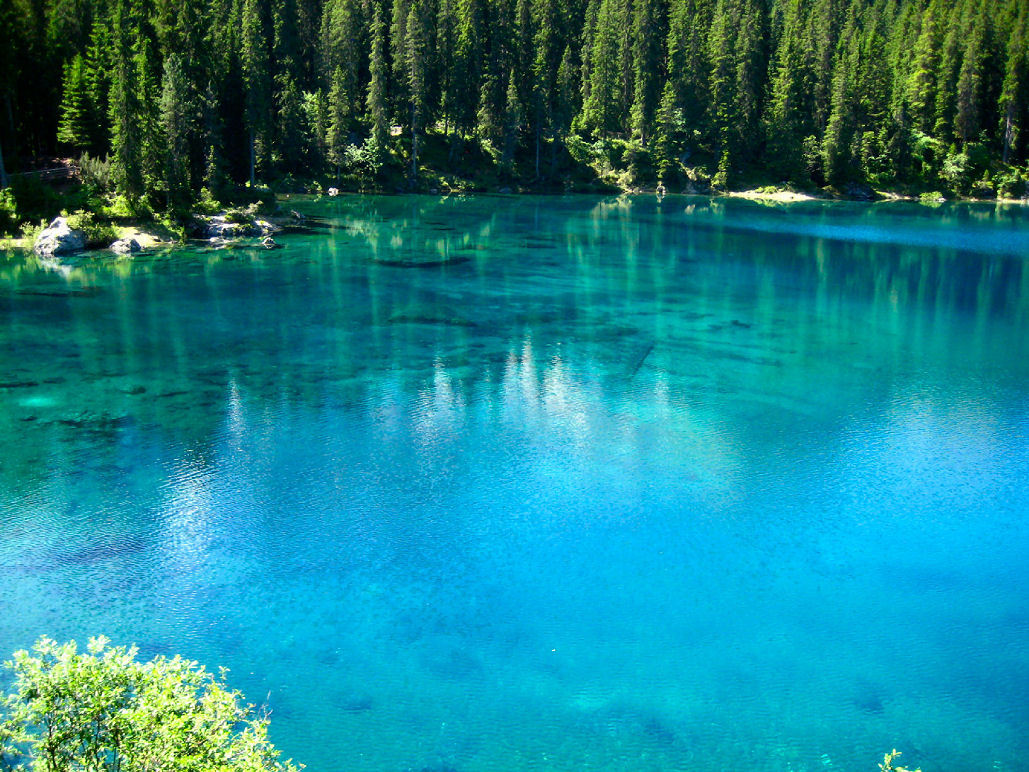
x,y
166,100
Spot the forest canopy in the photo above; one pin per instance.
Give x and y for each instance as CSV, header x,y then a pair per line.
x,y
185,95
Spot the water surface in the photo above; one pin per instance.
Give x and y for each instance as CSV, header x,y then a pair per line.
x,y
574,483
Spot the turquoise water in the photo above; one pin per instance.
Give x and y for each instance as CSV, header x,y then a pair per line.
x,y
509,483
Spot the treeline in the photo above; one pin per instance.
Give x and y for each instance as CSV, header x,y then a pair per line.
x,y
190,94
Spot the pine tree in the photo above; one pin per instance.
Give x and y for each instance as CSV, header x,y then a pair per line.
x,y
602,106
546,65
647,37
256,63
338,120
175,126
446,38
790,109
689,68
1014,97
126,142
377,85
151,136
970,84
468,62
76,125
416,73
512,121
841,126
921,84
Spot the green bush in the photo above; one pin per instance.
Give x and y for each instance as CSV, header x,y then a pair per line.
x,y
104,710
96,175
98,233
30,230
35,199
8,211
1011,183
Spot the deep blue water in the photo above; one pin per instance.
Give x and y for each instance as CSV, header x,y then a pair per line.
x,y
507,483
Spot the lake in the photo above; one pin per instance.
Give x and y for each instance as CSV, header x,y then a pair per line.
x,y
565,483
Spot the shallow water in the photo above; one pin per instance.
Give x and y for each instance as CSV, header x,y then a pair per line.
x,y
507,483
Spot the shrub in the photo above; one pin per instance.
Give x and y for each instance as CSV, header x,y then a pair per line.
x,y
103,709
8,211
98,233
30,231
207,203
96,175
1011,184
243,215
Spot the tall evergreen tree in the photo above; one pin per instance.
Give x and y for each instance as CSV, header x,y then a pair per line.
x,y
176,117
256,61
646,49
77,111
377,85
1014,97
126,140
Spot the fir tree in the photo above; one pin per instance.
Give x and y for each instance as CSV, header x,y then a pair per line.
x,y
126,142
377,85
257,83
175,125
77,111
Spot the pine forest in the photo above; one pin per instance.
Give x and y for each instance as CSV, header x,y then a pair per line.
x,y
169,100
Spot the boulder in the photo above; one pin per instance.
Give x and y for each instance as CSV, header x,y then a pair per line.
x,y
333,192
125,246
219,226
60,239
269,243
266,227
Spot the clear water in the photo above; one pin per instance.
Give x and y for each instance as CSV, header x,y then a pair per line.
x,y
547,483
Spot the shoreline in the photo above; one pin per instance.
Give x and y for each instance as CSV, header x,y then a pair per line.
x,y
155,234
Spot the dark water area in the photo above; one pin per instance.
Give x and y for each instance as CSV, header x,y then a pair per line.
x,y
500,483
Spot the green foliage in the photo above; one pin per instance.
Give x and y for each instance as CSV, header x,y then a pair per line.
x,y
8,211
182,94
206,203
35,199
1011,183
889,766
76,127
104,710
96,175
30,232
99,233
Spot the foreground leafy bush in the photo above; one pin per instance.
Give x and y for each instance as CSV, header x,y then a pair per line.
x,y
103,711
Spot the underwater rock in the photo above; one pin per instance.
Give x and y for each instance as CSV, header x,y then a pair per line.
x,y
422,263
419,314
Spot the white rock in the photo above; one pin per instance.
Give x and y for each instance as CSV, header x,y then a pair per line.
x,y
59,239
125,246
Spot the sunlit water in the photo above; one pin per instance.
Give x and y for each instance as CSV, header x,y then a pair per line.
x,y
547,483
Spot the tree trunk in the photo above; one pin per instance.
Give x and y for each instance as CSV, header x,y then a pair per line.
x,y
1009,132
4,180
253,156
414,146
3,170
538,132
